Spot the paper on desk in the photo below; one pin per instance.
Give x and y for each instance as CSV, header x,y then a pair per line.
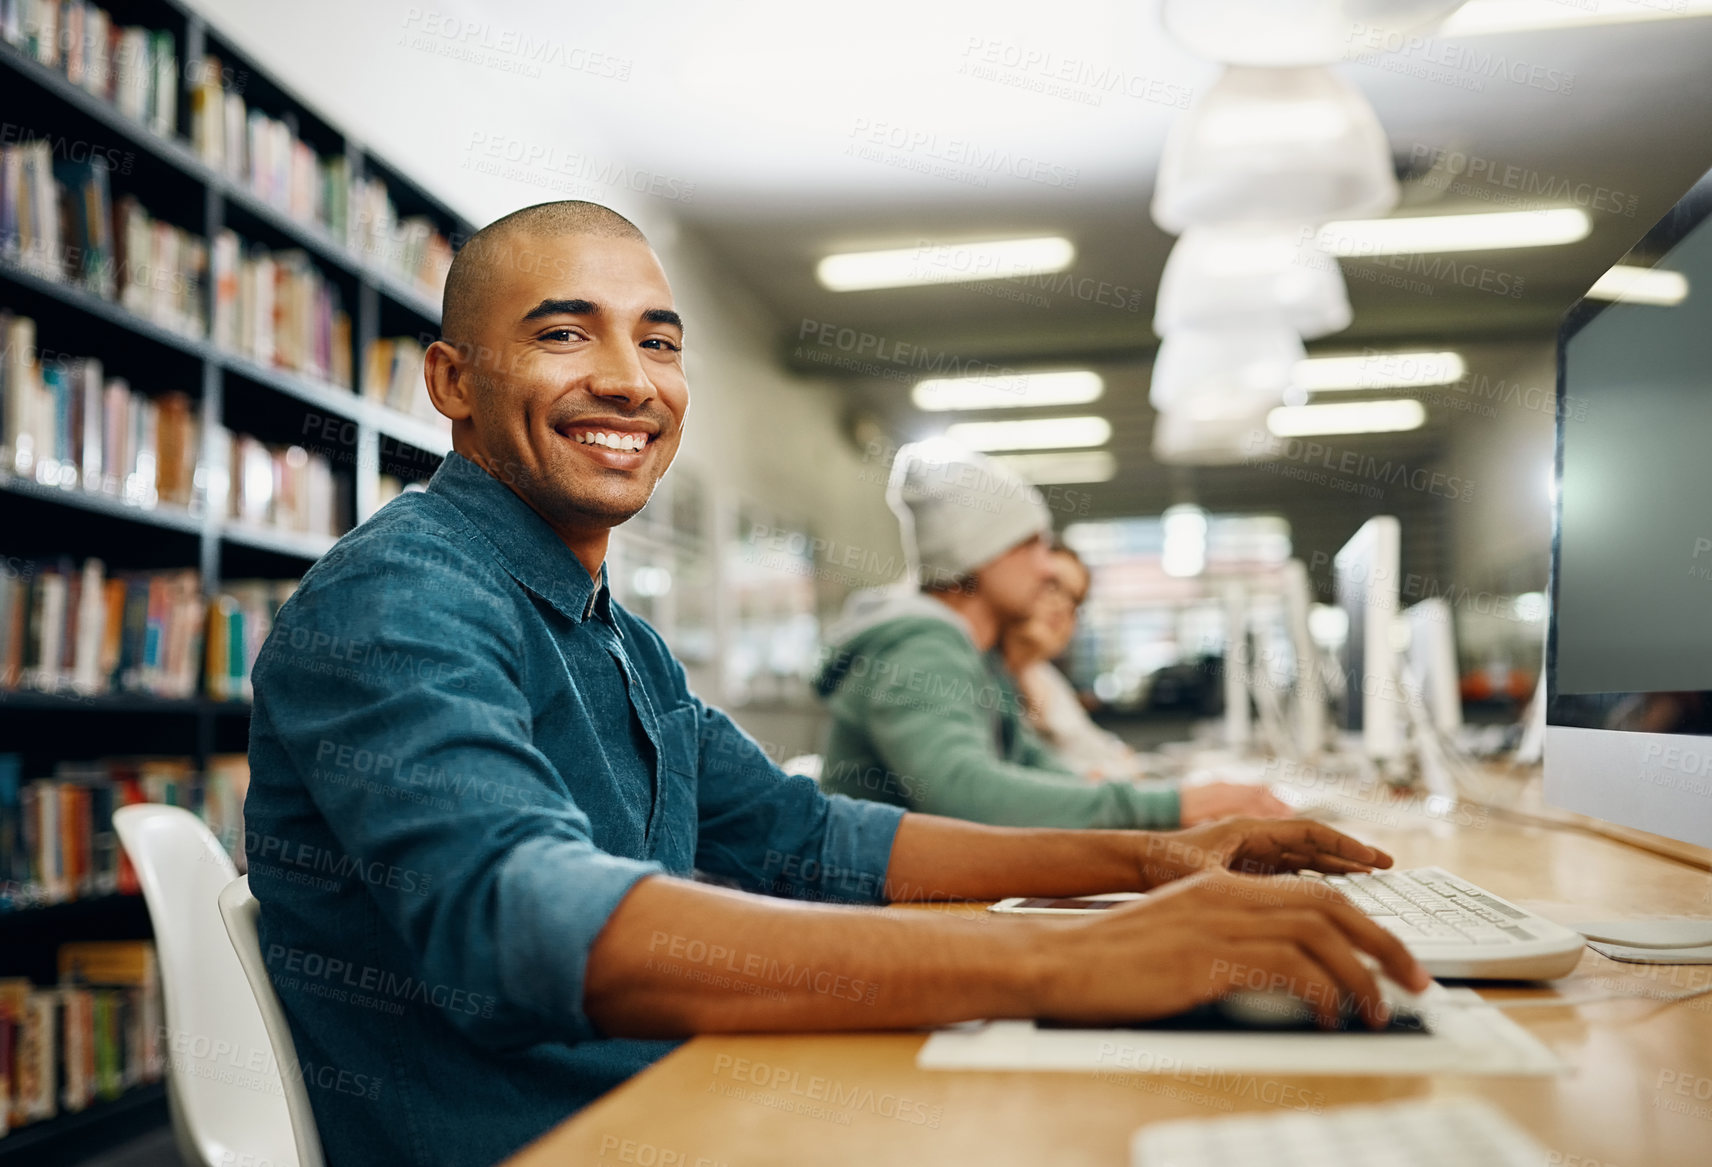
x,y
1465,1036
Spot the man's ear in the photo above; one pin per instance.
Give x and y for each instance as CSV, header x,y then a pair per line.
x,y
447,372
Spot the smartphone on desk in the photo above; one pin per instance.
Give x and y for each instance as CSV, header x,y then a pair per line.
x,y
1064,905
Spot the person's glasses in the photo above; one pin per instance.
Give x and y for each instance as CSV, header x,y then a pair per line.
x,y
1060,592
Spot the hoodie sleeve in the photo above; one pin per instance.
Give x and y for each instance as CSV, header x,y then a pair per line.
x,y
928,707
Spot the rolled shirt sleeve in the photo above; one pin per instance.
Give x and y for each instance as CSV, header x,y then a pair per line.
x,y
778,833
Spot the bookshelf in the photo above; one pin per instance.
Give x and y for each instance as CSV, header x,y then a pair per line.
x,y
307,198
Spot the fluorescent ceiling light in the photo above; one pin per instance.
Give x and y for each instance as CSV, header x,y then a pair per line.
x,y
1484,17
1075,466
1073,387
1347,417
1641,285
944,263
1046,433
1377,370
1426,233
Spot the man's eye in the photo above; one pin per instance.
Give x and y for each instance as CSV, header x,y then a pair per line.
x,y
667,345
561,334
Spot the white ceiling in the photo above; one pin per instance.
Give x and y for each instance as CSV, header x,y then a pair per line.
x,y
747,120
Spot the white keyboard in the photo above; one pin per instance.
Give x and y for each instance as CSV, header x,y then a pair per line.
x,y
1462,1131
1456,929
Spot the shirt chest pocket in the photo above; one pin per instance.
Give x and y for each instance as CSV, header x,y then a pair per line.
x,y
680,740
672,832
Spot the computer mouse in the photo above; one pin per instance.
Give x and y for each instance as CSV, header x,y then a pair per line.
x,y
1283,1011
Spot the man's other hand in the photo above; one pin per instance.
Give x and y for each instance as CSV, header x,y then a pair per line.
x,y
1253,847
1210,801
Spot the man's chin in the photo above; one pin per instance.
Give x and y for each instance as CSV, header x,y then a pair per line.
x,y
577,502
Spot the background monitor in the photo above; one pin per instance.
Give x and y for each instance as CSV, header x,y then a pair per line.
x,y
1367,572
1431,662
1629,646
1310,692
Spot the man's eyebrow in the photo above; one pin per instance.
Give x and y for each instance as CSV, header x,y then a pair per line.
x,y
563,308
590,308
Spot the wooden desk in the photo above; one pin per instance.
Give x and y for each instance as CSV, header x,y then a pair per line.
x,y
1639,1092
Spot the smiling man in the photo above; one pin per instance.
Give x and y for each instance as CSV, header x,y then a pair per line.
x,y
481,788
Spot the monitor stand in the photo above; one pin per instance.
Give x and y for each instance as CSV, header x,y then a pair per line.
x,y
1683,940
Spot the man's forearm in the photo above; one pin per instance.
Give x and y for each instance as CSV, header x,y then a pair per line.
x,y
678,958
937,858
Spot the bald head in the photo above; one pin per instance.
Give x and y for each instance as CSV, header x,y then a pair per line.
x,y
496,247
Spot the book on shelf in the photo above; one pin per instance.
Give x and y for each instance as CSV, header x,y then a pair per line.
x,y
124,977
30,230
280,486
59,220
63,423
264,156
412,249
134,68
89,1038
278,309
71,629
239,620
161,269
57,832
392,376
31,1018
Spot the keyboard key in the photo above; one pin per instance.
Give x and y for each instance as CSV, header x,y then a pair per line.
x,y
1497,906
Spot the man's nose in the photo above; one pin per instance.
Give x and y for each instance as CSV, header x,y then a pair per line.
x,y
618,374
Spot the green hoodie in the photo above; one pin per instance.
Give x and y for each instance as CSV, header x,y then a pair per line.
x,y
922,719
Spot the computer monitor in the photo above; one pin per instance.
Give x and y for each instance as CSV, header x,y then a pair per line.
x,y
1238,721
1629,643
1367,573
1431,662
1309,707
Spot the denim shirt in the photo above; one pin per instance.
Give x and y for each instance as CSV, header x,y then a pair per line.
x,y
444,811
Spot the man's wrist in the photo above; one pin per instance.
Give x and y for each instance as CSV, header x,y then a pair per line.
x,y
1025,969
1161,856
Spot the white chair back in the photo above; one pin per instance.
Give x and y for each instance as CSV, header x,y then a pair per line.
x,y
224,1081
241,911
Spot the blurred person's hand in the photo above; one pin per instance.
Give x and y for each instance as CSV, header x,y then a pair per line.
x,y
1210,801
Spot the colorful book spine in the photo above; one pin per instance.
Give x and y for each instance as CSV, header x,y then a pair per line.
x,y
56,833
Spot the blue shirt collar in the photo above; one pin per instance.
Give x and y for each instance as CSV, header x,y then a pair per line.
x,y
531,552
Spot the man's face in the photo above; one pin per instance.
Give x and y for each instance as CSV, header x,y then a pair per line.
x,y
1012,583
577,386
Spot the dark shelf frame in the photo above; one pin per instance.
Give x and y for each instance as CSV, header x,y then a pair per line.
x,y
50,99
143,1106
226,373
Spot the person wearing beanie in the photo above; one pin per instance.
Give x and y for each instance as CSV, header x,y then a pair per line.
x,y
1055,711
924,714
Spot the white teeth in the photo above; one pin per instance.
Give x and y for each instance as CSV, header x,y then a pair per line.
x,y
612,441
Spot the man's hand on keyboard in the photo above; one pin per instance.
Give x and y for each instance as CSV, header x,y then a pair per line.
x,y
1213,934
1209,801
1254,847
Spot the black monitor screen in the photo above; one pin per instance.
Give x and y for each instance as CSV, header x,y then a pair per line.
x,y
1634,557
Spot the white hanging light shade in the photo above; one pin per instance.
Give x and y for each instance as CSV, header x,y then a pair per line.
x,y
1182,439
1294,32
1275,146
1224,372
1223,277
